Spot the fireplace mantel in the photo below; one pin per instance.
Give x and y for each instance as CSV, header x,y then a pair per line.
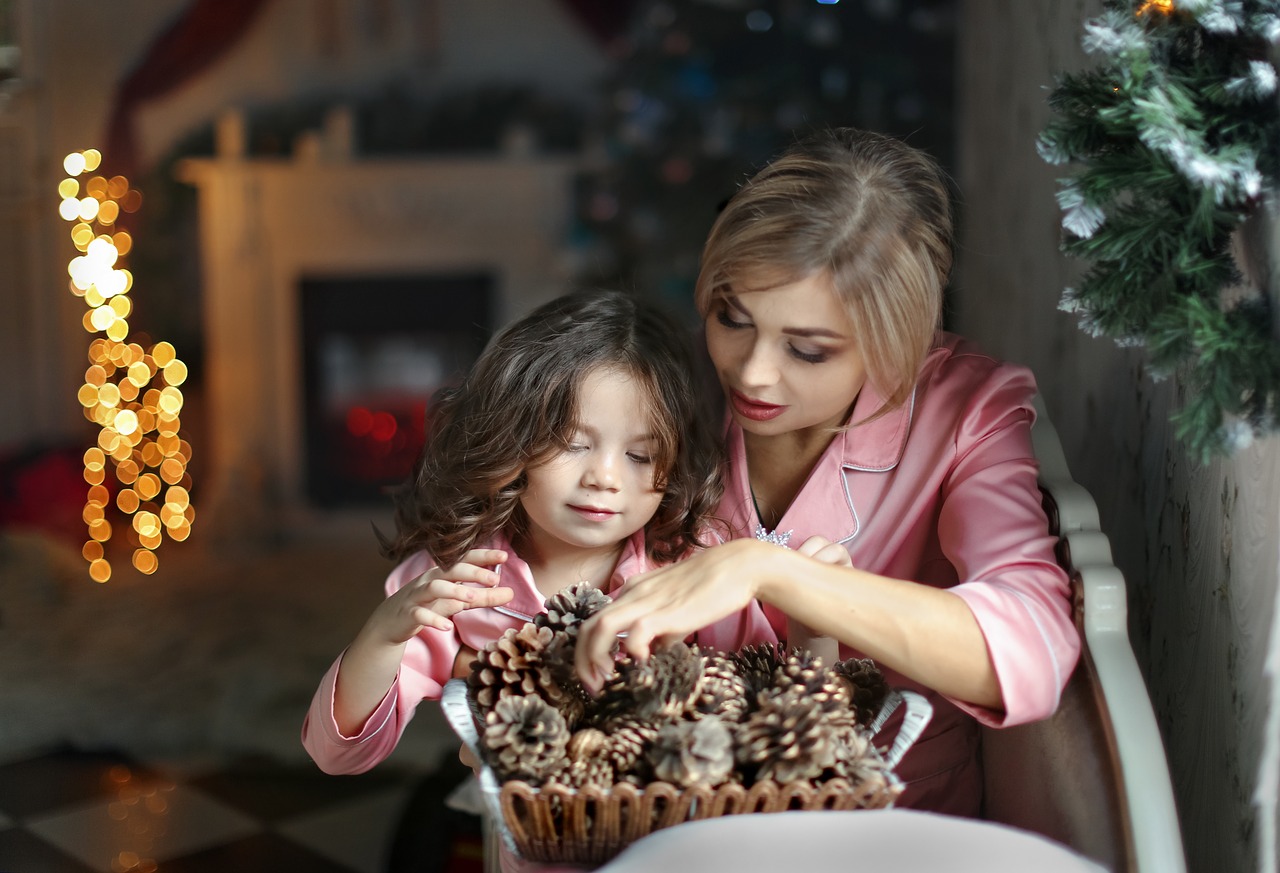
x,y
267,224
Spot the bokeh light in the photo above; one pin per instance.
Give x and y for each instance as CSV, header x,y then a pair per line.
x,y
129,391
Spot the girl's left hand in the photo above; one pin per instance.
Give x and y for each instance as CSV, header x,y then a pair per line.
x,y
666,605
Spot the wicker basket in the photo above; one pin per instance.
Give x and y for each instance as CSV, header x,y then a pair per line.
x,y
591,825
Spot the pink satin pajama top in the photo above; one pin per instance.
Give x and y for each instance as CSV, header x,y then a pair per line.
x,y
942,491
429,656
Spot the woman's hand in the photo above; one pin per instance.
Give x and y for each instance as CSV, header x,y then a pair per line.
x,y
437,594
824,550
668,604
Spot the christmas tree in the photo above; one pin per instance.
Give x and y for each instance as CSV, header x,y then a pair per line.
x,y
1177,136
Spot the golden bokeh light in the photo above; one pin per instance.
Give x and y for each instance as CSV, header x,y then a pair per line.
x,y
88,395
175,373
88,209
127,501
145,561
129,391
148,485
126,422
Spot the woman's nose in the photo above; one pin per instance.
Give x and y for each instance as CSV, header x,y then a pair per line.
x,y
759,367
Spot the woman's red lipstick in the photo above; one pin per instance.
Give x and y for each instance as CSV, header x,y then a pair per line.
x,y
753,409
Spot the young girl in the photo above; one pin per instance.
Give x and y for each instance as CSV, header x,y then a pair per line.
x,y
572,452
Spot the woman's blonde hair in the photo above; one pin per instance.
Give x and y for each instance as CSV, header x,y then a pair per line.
x,y
867,210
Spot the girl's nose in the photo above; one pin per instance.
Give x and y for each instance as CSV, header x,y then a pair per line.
x,y
601,471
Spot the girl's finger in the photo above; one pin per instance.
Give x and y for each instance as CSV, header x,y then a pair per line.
x,y
486,558
429,618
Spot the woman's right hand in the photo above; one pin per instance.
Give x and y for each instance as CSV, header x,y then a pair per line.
x,y
667,604
441,592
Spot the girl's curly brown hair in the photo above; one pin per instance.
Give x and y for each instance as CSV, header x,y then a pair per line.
x,y
518,407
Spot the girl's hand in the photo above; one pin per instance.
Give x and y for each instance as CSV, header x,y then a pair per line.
x,y
437,594
668,604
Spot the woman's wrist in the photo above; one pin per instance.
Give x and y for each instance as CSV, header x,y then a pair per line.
x,y
763,565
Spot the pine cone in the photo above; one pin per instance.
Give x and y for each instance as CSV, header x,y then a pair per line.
x,y
687,753
787,738
867,686
525,738
757,664
558,660
588,760
522,662
571,606
627,743
856,758
662,687
824,687
723,692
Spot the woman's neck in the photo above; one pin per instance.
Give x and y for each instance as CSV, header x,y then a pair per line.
x,y
778,467
555,566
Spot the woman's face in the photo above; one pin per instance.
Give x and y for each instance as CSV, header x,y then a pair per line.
x,y
786,357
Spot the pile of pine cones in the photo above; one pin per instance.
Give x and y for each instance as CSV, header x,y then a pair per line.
x,y
684,716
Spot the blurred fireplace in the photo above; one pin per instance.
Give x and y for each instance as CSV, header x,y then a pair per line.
x,y
482,230
375,350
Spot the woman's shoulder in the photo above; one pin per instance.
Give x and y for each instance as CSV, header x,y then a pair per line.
x,y
958,367
968,393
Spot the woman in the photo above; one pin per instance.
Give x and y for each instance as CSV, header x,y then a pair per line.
x,y
855,425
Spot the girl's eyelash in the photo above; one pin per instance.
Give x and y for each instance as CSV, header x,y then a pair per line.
x,y
639,458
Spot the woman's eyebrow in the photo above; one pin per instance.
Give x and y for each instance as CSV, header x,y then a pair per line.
x,y
809,332
804,332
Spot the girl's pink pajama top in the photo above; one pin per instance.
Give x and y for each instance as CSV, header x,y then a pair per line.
x,y
429,656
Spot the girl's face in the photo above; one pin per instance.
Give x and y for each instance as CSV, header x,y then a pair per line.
x,y
786,357
600,490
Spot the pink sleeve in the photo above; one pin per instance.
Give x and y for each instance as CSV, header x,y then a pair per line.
x,y
993,530
426,665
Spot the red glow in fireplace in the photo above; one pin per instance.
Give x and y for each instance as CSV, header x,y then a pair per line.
x,y
375,351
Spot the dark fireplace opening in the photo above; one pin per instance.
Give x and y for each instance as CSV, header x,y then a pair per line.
x,y
375,351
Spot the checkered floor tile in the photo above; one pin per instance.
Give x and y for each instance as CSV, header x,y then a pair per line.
x,y
72,812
